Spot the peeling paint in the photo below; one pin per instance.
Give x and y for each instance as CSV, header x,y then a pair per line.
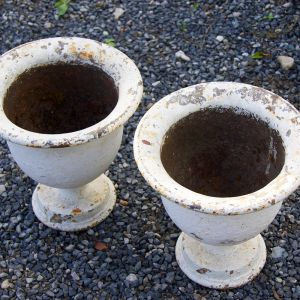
x,y
112,61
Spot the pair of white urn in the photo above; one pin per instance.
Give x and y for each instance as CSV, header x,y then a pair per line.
x,y
221,246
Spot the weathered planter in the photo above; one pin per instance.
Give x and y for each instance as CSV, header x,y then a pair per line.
x,y
220,246
73,193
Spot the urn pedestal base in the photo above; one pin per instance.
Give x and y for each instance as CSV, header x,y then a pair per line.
x,y
220,267
74,209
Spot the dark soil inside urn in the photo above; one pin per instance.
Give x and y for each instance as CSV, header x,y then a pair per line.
x,y
60,98
221,152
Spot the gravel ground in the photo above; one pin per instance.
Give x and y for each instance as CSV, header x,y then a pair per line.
x,y
218,36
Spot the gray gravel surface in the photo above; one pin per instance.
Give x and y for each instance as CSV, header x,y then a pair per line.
x,y
40,263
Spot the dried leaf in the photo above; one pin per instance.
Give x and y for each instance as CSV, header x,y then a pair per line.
x,y
101,246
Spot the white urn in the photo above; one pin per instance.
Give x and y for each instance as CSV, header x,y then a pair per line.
x,y
220,246
73,193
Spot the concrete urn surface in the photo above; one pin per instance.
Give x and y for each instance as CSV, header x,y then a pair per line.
x,y
220,246
73,193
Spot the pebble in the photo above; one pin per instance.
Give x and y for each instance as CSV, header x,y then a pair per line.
x,y
220,38
3,274
131,280
236,14
6,284
124,202
287,4
181,55
2,188
286,62
277,252
118,13
75,276
40,277
70,247
48,25
156,83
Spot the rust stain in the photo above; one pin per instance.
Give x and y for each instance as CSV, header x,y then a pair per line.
x,y
295,120
58,218
85,55
76,211
146,142
72,49
271,108
62,145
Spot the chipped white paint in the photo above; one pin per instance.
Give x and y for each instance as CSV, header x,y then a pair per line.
x,y
77,208
72,194
221,246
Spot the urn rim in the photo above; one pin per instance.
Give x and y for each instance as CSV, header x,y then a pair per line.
x,y
279,113
71,49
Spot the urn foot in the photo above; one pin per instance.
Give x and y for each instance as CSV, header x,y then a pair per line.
x,y
220,267
74,209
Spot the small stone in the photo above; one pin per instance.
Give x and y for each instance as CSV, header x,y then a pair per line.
x,y
286,5
90,232
131,279
3,274
180,54
220,38
100,284
6,284
50,294
291,218
2,188
83,9
150,105
48,25
286,62
118,13
75,276
198,297
70,247
156,83
138,266
40,278
85,243
278,279
124,202
236,14
277,252
170,277
29,280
